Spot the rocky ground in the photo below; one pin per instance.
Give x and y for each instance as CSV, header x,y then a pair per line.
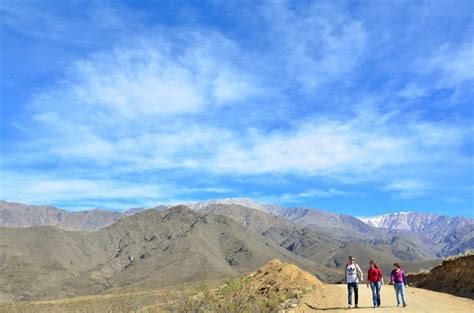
x,y
455,276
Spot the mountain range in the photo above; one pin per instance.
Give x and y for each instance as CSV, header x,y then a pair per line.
x,y
48,252
449,235
441,235
149,248
428,234
21,215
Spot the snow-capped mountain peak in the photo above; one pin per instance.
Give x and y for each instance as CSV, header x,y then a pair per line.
x,y
426,224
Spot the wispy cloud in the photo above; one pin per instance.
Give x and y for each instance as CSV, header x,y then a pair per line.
x,y
154,78
412,90
317,93
319,44
453,65
111,193
315,193
76,192
357,147
408,188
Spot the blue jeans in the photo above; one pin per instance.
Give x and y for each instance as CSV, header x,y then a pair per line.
x,y
376,292
400,291
354,286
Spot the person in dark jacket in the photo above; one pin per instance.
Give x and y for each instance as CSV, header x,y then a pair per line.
x,y
397,277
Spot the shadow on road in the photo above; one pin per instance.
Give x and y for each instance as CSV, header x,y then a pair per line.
x,y
339,308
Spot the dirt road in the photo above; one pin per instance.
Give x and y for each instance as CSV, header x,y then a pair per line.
x,y
334,299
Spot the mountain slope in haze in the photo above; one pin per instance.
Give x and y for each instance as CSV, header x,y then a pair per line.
x,y
440,234
293,237
421,240
245,202
148,249
344,226
21,215
429,225
324,235
449,235
320,246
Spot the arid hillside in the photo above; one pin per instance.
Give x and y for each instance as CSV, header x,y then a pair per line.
x,y
455,276
273,287
150,249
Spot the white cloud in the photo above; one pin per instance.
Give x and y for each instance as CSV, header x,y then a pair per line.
x,y
159,101
151,80
82,193
453,65
40,188
448,66
408,188
357,146
319,44
441,77
315,193
412,90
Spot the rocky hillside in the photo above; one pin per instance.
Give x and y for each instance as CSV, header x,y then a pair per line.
x,y
455,276
320,246
341,225
441,235
412,239
428,225
338,225
274,287
448,235
317,235
148,249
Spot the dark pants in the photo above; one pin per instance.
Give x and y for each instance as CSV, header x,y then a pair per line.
x,y
354,286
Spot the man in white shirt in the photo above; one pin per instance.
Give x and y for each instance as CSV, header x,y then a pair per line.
x,y
353,277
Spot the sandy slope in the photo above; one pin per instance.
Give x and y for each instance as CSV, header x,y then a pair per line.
x,y
334,299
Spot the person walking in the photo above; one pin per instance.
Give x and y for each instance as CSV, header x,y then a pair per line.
x,y
397,277
375,279
353,276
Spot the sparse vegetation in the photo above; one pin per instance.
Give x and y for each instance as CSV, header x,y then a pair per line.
x,y
264,290
455,276
233,297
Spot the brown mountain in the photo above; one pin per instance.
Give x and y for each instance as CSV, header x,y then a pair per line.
x,y
414,239
323,248
150,248
343,226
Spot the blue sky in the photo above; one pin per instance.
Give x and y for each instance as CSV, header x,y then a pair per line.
x,y
359,107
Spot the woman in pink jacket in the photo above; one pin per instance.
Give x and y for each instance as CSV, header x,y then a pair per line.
x,y
397,277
